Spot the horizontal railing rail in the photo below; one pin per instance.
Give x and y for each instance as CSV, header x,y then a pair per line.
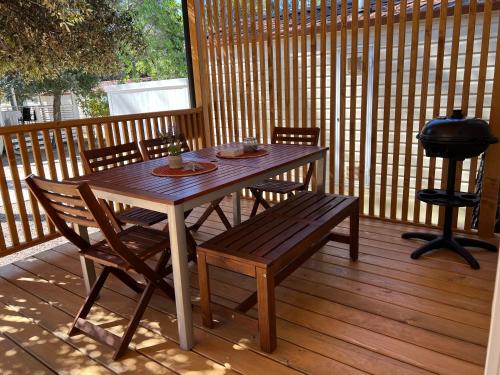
x,y
53,150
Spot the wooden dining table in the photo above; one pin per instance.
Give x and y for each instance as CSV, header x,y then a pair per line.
x,y
135,185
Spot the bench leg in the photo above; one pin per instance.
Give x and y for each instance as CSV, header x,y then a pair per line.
x,y
266,310
354,233
204,284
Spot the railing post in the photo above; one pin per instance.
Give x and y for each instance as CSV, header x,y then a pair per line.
x,y
200,73
491,177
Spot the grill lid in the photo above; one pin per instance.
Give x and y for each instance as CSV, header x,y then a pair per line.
x,y
456,137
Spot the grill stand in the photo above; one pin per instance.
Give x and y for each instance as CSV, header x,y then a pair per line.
x,y
446,240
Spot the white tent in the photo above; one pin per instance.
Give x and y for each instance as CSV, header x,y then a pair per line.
x,y
151,96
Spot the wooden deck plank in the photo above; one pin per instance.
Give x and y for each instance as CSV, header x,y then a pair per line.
x,y
385,314
24,363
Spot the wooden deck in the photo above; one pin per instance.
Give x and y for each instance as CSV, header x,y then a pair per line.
x,y
385,314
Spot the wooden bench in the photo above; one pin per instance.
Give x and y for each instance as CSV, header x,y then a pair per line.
x,y
273,244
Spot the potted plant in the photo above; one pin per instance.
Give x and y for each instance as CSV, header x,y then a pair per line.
x,y
174,143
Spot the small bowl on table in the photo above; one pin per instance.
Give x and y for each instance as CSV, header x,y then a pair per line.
x,y
250,145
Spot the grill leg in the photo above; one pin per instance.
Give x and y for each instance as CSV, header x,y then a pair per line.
x,y
476,243
419,236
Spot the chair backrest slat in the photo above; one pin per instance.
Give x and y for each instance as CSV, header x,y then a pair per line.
x,y
301,136
156,148
110,157
75,203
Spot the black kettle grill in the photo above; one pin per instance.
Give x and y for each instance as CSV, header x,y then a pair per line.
x,y
455,138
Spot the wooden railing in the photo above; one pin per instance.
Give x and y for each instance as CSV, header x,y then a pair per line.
x,y
369,77
53,150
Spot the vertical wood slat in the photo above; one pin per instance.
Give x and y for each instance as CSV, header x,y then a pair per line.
x,y
37,155
248,75
312,110
411,109
303,63
483,62
295,65
333,93
218,57
72,151
7,206
232,67
198,27
450,105
342,103
437,95
469,50
255,86
374,119
277,42
286,66
364,104
27,171
286,63
262,134
21,207
398,110
387,107
423,103
213,68
226,58
491,178
270,71
322,71
353,96
61,154
101,140
241,80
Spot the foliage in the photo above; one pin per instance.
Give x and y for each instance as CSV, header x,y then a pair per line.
x,y
163,54
94,104
174,142
42,39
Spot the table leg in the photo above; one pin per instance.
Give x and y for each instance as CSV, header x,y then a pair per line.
x,y
236,208
178,248
88,268
321,174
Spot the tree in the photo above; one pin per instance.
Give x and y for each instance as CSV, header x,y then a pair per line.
x,y
163,55
61,45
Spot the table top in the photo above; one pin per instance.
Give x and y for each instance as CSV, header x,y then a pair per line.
x,y
136,180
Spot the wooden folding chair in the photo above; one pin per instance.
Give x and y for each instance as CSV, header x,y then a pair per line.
x,y
302,136
156,148
121,252
114,156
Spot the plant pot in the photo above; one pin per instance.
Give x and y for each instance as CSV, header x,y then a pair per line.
x,y
175,161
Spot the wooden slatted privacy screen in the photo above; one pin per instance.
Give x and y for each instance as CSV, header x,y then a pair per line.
x,y
369,73
53,150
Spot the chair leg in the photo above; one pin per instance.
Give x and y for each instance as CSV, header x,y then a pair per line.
x,y
258,197
264,204
266,310
202,218
134,321
204,285
90,300
354,233
128,280
214,206
223,217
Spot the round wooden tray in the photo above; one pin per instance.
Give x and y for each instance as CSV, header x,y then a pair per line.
x,y
246,155
166,171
